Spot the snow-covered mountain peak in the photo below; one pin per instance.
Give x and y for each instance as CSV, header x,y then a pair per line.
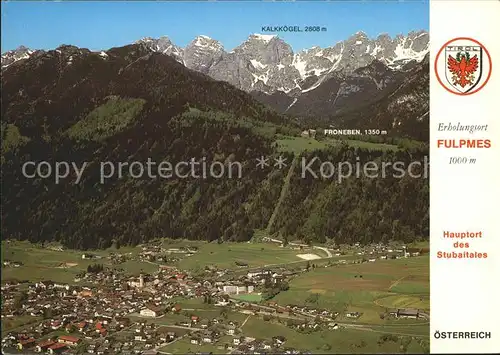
x,y
261,37
267,63
207,42
14,55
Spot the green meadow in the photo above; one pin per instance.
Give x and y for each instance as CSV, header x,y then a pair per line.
x,y
368,288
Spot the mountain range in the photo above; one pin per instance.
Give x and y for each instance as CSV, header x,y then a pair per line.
x,y
323,85
267,63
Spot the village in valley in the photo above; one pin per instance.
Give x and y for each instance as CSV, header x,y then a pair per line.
x,y
165,297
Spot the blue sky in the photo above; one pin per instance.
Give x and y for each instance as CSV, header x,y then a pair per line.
x,y
102,25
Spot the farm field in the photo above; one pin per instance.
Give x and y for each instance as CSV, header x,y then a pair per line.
x,y
226,255
43,263
183,346
298,145
249,297
368,288
347,340
9,324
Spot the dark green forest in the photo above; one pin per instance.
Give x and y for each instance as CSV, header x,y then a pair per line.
x,y
136,105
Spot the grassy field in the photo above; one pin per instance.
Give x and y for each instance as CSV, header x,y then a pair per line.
x,y
369,145
227,254
346,340
42,263
250,297
298,145
9,324
183,346
368,288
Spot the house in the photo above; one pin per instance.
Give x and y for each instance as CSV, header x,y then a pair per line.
x,y
57,348
69,340
195,341
43,346
393,312
254,274
195,319
122,322
180,276
26,344
237,289
176,309
55,324
99,326
333,326
230,289
170,336
222,303
91,348
81,326
309,133
352,314
408,313
151,311
279,340
44,284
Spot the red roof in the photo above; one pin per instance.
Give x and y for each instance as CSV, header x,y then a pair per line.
x,y
99,326
195,317
57,346
69,339
46,343
82,324
27,341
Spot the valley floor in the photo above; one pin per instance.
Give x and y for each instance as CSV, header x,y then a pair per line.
x,y
338,302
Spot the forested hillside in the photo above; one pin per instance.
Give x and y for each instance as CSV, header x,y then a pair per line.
x,y
129,104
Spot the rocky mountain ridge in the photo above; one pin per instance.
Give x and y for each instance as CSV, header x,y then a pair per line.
x,y
266,63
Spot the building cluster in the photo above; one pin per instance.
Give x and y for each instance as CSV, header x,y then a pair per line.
x,y
105,311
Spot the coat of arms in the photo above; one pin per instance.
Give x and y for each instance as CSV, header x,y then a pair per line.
x,y
463,66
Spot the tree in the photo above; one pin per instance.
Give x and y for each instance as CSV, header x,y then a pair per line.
x,y
47,313
81,348
223,312
20,299
284,286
